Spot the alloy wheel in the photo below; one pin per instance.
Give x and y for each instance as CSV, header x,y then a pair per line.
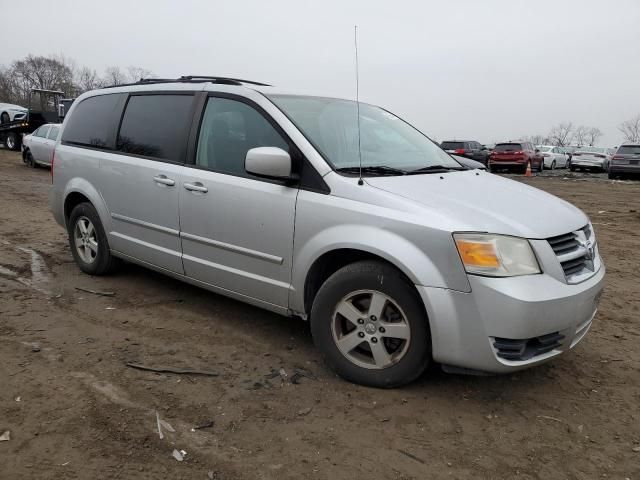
x,y
85,239
370,329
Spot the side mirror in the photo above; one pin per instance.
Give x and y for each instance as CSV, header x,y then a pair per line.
x,y
268,162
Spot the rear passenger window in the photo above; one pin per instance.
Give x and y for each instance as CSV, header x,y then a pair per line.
x,y
156,126
229,129
40,132
53,133
92,122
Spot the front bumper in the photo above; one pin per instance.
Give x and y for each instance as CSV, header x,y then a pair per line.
x,y
464,325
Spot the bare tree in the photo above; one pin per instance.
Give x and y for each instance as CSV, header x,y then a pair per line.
x,y
631,129
537,139
135,74
114,76
580,135
593,135
49,73
86,79
562,134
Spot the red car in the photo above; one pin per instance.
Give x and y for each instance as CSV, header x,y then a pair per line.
x,y
515,156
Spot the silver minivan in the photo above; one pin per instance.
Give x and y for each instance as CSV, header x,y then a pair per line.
x,y
347,217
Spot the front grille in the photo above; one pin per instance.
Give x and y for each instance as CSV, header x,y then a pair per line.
x,y
519,350
575,252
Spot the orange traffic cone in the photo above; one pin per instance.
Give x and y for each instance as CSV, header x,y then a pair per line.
x,y
528,172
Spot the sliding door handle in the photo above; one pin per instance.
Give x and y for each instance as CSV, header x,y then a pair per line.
x,y
196,187
163,180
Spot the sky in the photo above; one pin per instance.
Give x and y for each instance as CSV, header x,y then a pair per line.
x,y
485,70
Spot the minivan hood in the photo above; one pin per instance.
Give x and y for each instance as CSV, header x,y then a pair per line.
x,y
483,202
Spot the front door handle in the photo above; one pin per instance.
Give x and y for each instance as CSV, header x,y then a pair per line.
x,y
196,187
163,180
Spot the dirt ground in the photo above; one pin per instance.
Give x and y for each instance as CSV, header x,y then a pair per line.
x,y
76,411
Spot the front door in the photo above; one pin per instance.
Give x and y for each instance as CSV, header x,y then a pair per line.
x,y
236,229
141,183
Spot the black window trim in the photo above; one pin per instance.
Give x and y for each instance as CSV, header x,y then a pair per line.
x,y
299,161
181,161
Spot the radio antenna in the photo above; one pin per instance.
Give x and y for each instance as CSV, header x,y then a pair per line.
x,y
355,38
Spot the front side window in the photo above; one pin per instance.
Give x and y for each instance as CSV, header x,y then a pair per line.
x,y
231,128
331,125
156,126
91,122
53,133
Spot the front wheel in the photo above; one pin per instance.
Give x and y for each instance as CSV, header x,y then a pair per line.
x,y
4,118
553,165
369,323
88,241
30,161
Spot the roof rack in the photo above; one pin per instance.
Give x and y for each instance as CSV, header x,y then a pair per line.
x,y
193,79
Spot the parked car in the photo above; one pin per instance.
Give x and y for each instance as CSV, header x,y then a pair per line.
x,y
626,161
10,113
515,156
395,253
470,164
468,149
590,158
568,150
38,147
553,156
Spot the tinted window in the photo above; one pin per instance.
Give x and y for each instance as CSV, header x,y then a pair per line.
x,y
503,147
629,150
93,120
229,129
53,133
452,145
156,126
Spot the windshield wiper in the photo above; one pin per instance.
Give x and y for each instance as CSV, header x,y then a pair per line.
x,y
435,169
372,169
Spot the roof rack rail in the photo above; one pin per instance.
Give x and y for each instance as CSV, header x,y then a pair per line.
x,y
192,79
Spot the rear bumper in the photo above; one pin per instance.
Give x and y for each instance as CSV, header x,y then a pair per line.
x,y
464,326
624,168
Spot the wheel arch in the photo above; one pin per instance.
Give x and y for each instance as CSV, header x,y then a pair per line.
x,y
311,270
78,191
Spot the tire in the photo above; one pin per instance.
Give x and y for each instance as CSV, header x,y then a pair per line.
x,y
12,141
30,161
4,118
90,249
613,176
398,361
572,168
553,165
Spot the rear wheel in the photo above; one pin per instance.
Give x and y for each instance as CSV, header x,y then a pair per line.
x,y
88,241
572,168
369,323
12,142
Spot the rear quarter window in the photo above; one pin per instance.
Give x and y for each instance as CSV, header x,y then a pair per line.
x,y
93,122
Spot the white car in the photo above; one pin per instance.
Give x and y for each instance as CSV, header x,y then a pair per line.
x,y
553,157
9,113
37,147
591,158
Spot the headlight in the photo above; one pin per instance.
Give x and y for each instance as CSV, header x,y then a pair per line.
x,y
496,255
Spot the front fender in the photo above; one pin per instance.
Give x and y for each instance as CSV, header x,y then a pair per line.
x,y
397,250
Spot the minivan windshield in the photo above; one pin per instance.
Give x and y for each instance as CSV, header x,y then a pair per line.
x,y
386,141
